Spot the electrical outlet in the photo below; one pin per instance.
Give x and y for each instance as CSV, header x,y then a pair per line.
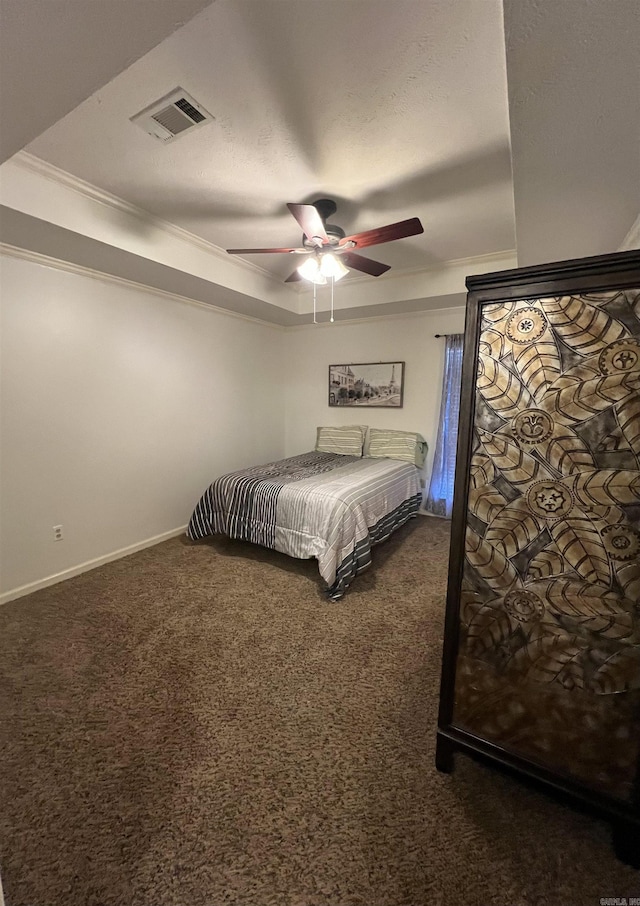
x,y
57,533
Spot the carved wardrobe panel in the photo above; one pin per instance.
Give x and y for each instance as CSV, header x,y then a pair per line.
x,y
542,649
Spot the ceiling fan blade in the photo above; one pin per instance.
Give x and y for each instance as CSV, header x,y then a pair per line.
x,y
399,230
310,221
294,277
366,265
261,251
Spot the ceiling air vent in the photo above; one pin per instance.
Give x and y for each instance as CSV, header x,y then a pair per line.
x,y
171,116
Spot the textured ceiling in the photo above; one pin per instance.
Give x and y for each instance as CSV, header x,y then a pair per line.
x,y
55,53
503,126
395,110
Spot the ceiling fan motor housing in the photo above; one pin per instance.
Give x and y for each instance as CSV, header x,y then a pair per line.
x,y
335,234
325,207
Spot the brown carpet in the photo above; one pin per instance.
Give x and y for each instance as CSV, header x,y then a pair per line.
x,y
195,725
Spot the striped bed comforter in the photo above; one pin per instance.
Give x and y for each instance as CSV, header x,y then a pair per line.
x,y
322,505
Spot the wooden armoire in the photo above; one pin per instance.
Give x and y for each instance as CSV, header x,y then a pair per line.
x,y
541,666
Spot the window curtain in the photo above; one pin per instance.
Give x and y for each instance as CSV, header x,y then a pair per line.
x,y
440,496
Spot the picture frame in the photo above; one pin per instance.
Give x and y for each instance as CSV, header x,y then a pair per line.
x,y
372,385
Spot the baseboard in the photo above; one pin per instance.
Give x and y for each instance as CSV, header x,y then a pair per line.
x,y
423,512
89,564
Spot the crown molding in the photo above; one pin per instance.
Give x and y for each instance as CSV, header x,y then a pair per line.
x,y
42,168
80,270
36,165
393,316
12,251
480,260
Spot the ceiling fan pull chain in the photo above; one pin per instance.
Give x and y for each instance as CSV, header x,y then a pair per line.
x,y
333,280
315,289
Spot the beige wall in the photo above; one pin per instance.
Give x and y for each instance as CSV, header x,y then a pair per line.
x,y
118,407
407,338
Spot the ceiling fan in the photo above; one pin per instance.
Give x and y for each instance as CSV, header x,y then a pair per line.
x,y
328,251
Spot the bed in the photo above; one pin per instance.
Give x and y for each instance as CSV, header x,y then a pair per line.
x,y
330,506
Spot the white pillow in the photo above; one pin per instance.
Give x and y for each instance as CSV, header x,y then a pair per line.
x,y
347,440
384,443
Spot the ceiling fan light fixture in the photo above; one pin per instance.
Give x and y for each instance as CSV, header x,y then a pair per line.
x,y
319,268
310,270
330,266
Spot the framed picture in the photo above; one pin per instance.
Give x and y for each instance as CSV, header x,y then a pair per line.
x,y
371,384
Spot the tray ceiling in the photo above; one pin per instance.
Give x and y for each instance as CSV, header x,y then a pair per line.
x,y
394,110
